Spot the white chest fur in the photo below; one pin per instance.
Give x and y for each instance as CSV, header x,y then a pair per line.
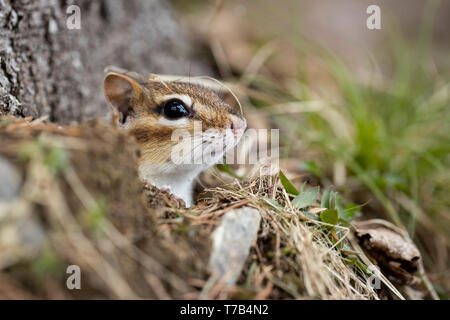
x,y
178,179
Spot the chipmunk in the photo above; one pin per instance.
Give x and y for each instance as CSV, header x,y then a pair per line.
x,y
153,110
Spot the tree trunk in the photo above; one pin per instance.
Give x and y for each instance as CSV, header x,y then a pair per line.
x,y
48,69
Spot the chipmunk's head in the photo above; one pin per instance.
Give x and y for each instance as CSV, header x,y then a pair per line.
x,y
181,124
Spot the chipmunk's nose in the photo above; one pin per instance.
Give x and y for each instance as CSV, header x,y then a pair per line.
x,y
238,126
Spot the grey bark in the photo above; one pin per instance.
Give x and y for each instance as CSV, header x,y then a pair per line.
x,y
47,69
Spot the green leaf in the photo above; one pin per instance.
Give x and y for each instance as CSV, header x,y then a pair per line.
x,y
56,159
326,196
349,212
47,264
311,167
287,184
306,198
310,215
329,216
226,168
303,187
95,216
337,200
273,203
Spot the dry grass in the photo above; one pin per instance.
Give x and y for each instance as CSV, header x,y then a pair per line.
x,y
313,267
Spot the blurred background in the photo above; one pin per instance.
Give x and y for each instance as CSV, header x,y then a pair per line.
x,y
365,111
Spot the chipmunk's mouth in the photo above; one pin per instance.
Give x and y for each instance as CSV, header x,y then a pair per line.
x,y
208,147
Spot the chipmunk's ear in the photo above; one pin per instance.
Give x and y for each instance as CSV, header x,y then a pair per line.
x,y
123,93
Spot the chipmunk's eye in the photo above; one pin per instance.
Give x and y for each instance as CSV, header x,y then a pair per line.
x,y
175,109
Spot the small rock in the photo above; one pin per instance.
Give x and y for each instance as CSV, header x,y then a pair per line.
x,y
231,243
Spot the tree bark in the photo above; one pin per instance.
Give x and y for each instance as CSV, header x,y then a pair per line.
x,y
47,69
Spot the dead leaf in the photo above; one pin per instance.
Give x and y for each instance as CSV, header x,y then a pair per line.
x,y
391,248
